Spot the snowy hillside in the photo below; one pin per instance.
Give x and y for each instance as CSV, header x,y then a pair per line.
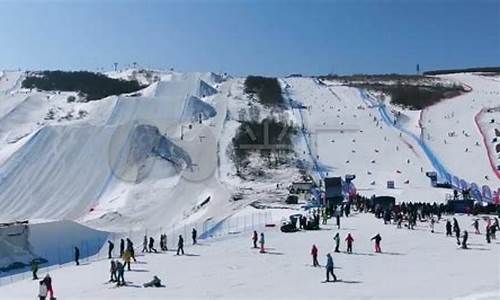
x,y
162,160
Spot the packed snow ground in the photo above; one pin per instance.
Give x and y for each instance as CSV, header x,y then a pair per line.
x,y
414,264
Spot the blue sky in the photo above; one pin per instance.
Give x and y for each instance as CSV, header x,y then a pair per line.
x,y
267,37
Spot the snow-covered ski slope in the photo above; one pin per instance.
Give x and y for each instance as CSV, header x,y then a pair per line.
x,y
101,165
354,134
108,160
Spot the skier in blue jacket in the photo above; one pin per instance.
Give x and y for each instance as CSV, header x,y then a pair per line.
x,y
329,268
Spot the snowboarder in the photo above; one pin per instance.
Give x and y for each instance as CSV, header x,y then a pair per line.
x,y
262,242
448,228
77,256
377,239
336,238
42,291
464,239
180,245
34,269
111,246
255,238
314,253
194,234
349,241
152,244
127,257
122,247
145,244
120,269
112,271
329,268
47,281
476,226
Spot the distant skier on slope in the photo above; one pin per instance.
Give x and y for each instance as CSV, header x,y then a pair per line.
x,y
456,228
194,235
255,238
113,271
476,226
314,253
464,239
42,291
130,248
122,247
120,269
262,243
349,241
111,246
448,228
127,257
180,245
77,256
47,280
336,238
145,244
151,246
34,269
377,239
329,268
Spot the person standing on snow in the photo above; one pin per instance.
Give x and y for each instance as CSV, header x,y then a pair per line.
x,y
432,224
127,257
120,269
337,218
111,246
42,291
476,226
255,238
130,248
329,268
77,256
349,241
152,244
448,228
464,239
377,239
336,238
112,271
145,244
122,247
47,281
314,253
456,228
194,234
262,242
34,269
180,245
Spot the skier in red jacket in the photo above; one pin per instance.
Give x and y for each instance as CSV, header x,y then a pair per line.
x,y
349,241
314,253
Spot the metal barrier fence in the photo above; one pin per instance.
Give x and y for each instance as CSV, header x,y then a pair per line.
x,y
94,250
